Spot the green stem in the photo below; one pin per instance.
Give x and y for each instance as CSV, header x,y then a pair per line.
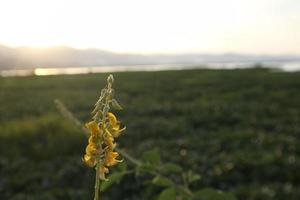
x,y
129,157
97,182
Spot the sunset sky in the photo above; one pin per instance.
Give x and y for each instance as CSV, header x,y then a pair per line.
x,y
154,26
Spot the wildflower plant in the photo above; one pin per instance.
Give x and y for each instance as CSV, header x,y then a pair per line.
x,y
100,152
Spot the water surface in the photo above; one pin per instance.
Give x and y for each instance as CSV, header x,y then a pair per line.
x,y
40,71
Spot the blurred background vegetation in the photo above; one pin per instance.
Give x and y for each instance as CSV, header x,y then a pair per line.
x,y
238,129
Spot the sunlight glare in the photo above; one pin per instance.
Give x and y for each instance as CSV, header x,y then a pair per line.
x,y
141,26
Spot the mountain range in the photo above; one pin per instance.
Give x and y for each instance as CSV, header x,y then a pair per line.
x,y
60,56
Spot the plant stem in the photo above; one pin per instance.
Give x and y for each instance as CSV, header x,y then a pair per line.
x,y
97,182
129,157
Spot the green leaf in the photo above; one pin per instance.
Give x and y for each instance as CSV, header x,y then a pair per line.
x,y
181,190
122,167
113,178
171,167
212,194
152,156
192,177
144,168
116,105
162,181
167,194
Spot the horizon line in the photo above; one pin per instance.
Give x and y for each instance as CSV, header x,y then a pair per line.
x,y
147,54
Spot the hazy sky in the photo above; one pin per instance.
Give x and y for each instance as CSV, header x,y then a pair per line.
x,y
154,26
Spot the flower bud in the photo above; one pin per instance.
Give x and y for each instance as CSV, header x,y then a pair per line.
x,y
110,79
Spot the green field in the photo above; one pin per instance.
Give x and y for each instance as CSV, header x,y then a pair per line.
x,y
239,129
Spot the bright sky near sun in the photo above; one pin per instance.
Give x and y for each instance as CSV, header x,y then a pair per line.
x,y
154,26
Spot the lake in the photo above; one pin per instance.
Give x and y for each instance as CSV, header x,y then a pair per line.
x,y
41,71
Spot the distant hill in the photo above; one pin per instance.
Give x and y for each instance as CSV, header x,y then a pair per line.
x,y
27,57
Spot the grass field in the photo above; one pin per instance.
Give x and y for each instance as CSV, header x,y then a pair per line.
x,y
239,129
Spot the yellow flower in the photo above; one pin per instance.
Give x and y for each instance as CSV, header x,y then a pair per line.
x,y
114,125
112,118
92,149
94,129
109,140
102,171
89,160
94,139
91,152
110,158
